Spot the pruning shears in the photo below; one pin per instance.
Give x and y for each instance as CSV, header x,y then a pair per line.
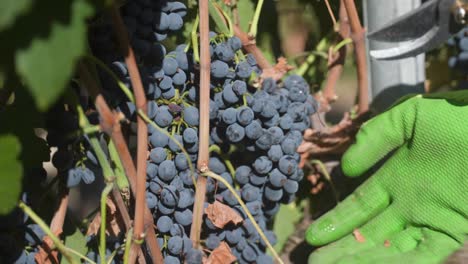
x,y
422,29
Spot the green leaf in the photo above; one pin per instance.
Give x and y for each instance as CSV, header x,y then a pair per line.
x,y
77,242
218,19
246,11
11,9
10,172
47,63
285,223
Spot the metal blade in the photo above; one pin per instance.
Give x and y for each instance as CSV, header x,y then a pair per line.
x,y
409,26
433,38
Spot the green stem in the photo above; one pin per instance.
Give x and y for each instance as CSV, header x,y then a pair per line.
x,y
311,58
119,171
122,86
60,246
100,155
229,165
215,148
247,212
187,156
128,243
342,43
255,19
196,52
102,231
91,129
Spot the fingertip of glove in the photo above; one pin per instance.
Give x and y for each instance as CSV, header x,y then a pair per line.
x,y
348,165
319,232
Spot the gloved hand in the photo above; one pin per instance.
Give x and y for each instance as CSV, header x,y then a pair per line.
x,y
414,209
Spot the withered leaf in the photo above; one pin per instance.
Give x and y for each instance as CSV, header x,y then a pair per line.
x,y
221,214
278,71
221,255
114,222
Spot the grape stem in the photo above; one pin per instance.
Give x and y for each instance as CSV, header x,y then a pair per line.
x,y
102,231
60,246
204,130
194,35
128,243
358,37
255,19
247,212
337,57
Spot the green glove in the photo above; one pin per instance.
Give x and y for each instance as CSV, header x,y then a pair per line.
x,y
414,209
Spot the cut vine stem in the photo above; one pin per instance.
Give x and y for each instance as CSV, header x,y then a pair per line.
x,y
142,131
204,130
358,37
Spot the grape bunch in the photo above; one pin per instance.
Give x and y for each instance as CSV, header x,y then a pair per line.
x,y
74,159
459,61
256,127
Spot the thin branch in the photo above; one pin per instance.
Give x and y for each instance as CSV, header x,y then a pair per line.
x,y
358,35
142,131
337,60
204,131
102,231
330,12
249,44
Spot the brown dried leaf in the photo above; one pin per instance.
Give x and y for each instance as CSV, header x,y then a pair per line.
x,y
221,214
114,222
221,255
46,255
358,236
278,71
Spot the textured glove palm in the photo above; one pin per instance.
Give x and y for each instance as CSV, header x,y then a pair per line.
x,y
415,207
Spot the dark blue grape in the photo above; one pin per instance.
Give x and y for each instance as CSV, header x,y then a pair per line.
x,y
219,69
263,165
158,155
242,174
287,165
151,200
183,217
229,116
167,170
212,241
191,116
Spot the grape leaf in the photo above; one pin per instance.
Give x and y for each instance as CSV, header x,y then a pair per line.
x,y
285,223
11,9
76,241
246,10
10,173
47,63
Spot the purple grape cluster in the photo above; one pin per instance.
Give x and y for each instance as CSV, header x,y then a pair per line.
x,y
150,21
255,131
459,61
265,126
